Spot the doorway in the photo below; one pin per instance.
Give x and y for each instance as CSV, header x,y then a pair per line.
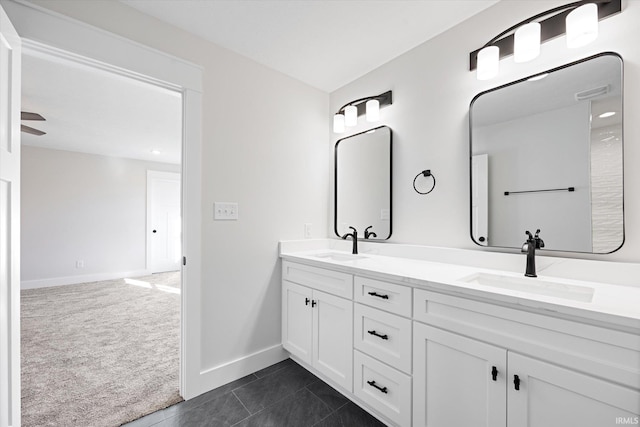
x,y
91,197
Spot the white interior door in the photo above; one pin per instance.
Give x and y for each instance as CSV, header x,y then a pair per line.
x,y
10,51
163,221
480,198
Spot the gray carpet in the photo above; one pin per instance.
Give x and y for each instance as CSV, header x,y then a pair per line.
x,y
100,354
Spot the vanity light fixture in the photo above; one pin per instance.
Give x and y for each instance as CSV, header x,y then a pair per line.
x,y
578,20
348,114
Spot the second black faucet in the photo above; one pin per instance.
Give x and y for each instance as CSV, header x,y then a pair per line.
x,y
529,247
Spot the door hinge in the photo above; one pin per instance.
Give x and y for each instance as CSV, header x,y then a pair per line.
x,y
184,260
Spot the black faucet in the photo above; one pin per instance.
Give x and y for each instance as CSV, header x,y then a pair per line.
x,y
530,246
368,233
354,236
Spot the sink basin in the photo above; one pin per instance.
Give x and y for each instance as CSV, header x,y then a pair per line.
x,y
532,285
339,256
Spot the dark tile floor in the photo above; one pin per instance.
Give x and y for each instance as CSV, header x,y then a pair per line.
x,y
282,395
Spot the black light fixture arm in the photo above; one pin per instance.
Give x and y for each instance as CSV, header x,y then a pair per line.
x,y
384,99
551,27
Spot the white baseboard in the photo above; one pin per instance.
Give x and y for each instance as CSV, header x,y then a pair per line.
x,y
86,278
223,374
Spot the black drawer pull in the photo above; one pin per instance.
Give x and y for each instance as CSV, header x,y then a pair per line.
x,y
374,385
306,301
375,294
516,382
384,337
313,303
494,373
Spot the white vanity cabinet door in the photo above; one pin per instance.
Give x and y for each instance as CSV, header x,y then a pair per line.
x,y
297,326
453,384
551,396
333,342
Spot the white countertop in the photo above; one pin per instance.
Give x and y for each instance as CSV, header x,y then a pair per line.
x,y
614,304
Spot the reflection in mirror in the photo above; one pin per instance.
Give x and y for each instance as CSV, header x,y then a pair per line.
x,y
363,184
546,152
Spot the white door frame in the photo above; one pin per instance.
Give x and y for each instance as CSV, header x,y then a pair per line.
x,y
153,175
10,226
45,32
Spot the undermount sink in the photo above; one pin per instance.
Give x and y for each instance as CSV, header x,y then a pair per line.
x,y
339,256
532,285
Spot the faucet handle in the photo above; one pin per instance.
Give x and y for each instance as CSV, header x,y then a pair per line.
x,y
537,233
528,233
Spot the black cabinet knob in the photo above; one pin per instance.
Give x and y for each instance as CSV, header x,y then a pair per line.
x,y
153,231
482,239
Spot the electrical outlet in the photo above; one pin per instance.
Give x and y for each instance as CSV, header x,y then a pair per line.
x,y
307,230
225,211
80,263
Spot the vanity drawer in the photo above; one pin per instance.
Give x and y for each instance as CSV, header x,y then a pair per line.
x,y
385,389
383,295
383,335
333,282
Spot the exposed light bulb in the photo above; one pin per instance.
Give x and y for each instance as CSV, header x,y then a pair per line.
x,y
338,123
373,110
350,115
582,25
488,63
526,45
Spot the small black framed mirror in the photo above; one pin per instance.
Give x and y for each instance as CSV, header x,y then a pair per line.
x,y
362,186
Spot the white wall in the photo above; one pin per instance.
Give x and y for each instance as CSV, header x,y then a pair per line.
x,y
432,88
265,146
78,206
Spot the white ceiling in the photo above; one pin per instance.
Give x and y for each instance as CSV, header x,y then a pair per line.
x,y
98,112
324,43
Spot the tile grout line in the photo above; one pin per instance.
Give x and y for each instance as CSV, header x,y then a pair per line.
x,y
330,413
242,403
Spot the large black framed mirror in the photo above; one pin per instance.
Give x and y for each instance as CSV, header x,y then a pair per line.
x,y
546,152
362,190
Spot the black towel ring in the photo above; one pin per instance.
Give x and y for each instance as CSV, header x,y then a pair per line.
x,y
424,173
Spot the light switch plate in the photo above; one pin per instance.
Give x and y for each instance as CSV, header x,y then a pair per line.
x,y
225,211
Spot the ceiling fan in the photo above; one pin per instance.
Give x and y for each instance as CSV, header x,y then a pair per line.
x,y
31,116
